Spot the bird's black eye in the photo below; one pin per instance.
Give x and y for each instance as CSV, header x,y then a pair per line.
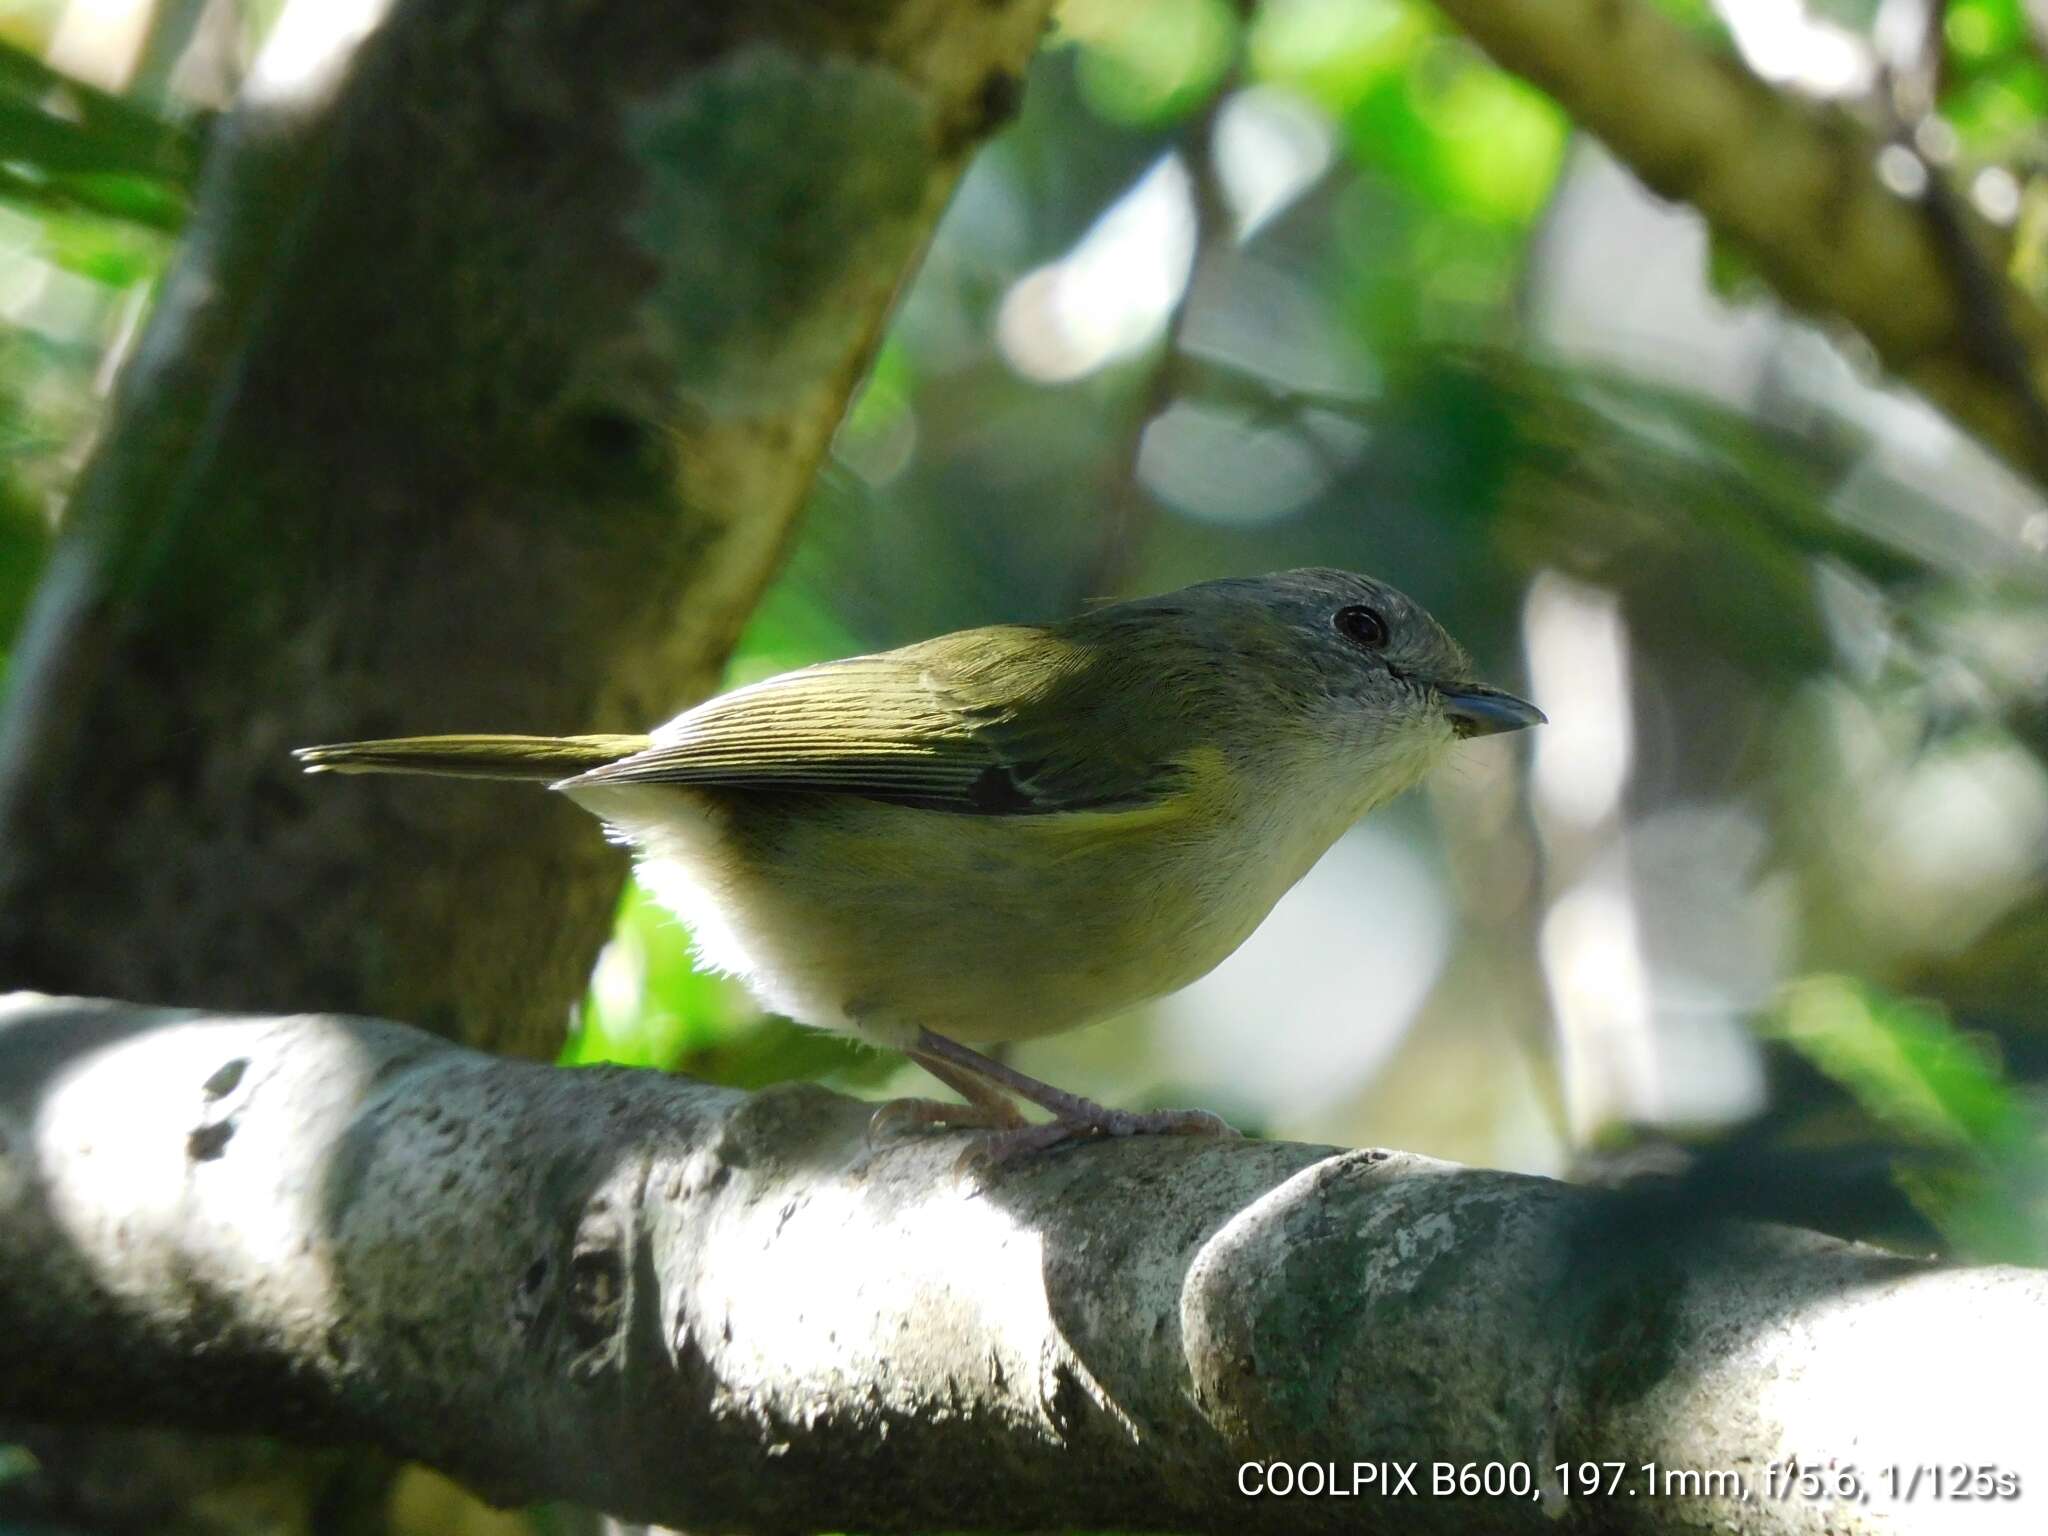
x,y
1361,626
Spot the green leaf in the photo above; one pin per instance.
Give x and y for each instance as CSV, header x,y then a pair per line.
x,y
1909,1068
1978,30
1914,1073
1497,143
1336,51
111,253
2000,106
1417,103
1148,62
58,124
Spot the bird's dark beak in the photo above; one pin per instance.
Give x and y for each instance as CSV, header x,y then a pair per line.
x,y
1477,710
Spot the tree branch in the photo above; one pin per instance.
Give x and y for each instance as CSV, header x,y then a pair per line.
x,y
491,374
1796,184
687,1305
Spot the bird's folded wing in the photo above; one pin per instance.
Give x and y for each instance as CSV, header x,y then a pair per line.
x,y
1005,721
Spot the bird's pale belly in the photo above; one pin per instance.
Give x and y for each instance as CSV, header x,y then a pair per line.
x,y
826,908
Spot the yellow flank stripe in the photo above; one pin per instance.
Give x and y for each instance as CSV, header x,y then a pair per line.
x,y
1207,783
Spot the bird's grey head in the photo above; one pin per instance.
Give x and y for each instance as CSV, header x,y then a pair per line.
x,y
1352,666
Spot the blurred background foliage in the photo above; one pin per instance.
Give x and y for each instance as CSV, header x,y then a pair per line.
x,y
1311,281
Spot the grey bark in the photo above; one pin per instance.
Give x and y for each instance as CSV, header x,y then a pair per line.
x,y
494,368
687,1305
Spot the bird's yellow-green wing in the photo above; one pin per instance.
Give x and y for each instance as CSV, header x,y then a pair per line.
x,y
1001,721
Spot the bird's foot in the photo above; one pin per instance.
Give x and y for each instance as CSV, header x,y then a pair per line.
x,y
985,1081
1100,1120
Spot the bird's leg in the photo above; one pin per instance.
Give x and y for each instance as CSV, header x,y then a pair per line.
x,y
1072,1115
977,1091
986,1108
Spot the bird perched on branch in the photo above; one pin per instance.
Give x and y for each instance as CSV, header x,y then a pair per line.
x,y
1012,831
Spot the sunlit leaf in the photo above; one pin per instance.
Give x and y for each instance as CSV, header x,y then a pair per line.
x,y
1150,61
2001,104
1905,1063
1697,14
1976,30
113,254
1335,51
1498,141
1921,1079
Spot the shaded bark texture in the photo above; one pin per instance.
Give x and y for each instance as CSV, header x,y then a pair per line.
x,y
725,1312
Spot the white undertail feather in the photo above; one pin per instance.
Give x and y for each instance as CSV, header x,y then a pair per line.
x,y
678,842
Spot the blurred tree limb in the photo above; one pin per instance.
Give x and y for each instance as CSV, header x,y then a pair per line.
x,y
727,1312
484,390
1795,183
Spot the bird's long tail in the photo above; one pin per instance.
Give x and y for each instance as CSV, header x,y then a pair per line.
x,y
473,757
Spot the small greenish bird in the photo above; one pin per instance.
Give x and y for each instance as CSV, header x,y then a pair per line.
x,y
1008,832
